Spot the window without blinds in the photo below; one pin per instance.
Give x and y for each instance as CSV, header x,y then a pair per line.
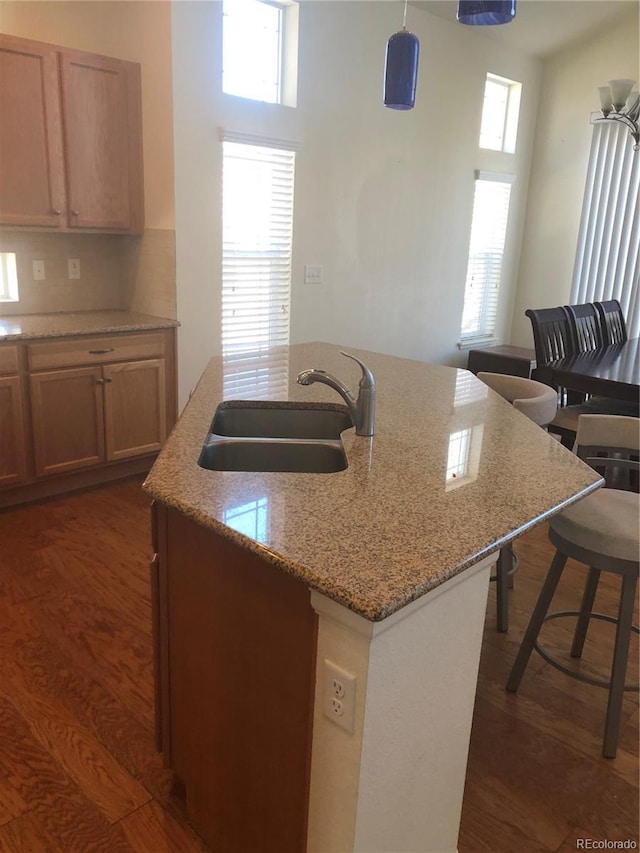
x,y
257,226
8,277
500,111
486,252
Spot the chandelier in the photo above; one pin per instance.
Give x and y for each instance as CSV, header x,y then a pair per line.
x,y
619,103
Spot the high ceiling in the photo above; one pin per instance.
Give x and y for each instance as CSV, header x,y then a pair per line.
x,y
543,27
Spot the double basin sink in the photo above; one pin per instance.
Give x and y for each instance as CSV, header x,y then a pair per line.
x,y
276,436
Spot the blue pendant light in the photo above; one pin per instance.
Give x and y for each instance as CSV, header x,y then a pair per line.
x,y
486,12
401,68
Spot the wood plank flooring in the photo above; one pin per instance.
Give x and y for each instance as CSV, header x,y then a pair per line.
x,y
78,768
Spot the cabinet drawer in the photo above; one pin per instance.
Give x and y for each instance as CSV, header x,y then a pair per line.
x,y
102,350
8,360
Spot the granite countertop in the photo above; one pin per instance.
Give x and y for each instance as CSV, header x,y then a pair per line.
x,y
452,473
32,326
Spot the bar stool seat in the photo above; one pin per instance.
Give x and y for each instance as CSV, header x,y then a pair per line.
x,y
606,524
601,531
539,403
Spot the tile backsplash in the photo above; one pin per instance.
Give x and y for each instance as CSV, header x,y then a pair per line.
x,y
116,272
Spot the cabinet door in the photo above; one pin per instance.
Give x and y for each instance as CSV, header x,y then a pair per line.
x,y
13,459
135,408
102,135
31,166
68,426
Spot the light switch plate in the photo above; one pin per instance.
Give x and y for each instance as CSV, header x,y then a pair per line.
x,y
312,274
38,271
73,265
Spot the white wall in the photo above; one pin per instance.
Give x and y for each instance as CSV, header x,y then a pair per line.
x,y
563,137
383,198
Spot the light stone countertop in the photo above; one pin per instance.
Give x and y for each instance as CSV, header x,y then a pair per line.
x,y
32,326
395,524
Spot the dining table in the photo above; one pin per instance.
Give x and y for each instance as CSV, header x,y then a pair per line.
x,y
612,371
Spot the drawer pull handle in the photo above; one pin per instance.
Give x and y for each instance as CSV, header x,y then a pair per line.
x,y
100,351
75,212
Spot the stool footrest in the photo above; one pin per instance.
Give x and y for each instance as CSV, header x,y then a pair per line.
x,y
596,682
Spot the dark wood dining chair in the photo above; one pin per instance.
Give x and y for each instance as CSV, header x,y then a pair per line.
x,y
612,322
586,326
552,337
564,331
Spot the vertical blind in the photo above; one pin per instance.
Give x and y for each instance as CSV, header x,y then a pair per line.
x,y
257,233
607,264
486,252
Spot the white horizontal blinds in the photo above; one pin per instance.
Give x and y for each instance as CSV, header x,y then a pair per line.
x,y
257,225
486,253
607,264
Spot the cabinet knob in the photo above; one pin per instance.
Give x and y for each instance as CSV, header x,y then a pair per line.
x,y
56,211
99,381
75,212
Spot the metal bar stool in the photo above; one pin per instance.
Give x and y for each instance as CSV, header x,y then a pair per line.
x,y
539,403
601,531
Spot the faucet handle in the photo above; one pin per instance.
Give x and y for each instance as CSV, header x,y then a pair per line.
x,y
367,380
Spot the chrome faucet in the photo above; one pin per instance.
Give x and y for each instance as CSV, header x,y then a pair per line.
x,y
362,409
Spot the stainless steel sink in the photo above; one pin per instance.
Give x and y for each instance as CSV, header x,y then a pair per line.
x,y
310,456
279,420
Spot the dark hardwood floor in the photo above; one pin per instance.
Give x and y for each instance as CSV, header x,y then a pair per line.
x,y
78,768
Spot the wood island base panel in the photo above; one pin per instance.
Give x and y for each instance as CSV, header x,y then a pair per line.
x,y
264,582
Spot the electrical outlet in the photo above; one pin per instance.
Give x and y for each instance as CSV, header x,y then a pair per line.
x,y
312,274
38,271
339,695
73,265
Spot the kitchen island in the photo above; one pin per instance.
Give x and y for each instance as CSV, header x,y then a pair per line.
x,y
381,570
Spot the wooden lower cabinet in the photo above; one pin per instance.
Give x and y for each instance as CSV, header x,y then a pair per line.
x,y
84,416
13,452
67,412
135,410
82,410
235,648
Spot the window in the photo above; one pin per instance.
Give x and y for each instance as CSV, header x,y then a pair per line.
x,y
607,264
8,277
486,252
257,233
500,113
259,50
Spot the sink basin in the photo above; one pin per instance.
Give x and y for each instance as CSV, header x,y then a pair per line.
x,y
279,421
222,453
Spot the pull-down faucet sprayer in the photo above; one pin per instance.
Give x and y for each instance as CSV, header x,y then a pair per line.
x,y
363,408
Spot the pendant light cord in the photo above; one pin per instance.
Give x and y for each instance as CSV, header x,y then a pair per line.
x,y
404,19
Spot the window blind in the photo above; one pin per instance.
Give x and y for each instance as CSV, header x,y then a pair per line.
x,y
486,252
257,226
607,264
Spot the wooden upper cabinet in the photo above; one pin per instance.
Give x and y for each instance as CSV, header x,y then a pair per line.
x,y
70,139
32,190
102,133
